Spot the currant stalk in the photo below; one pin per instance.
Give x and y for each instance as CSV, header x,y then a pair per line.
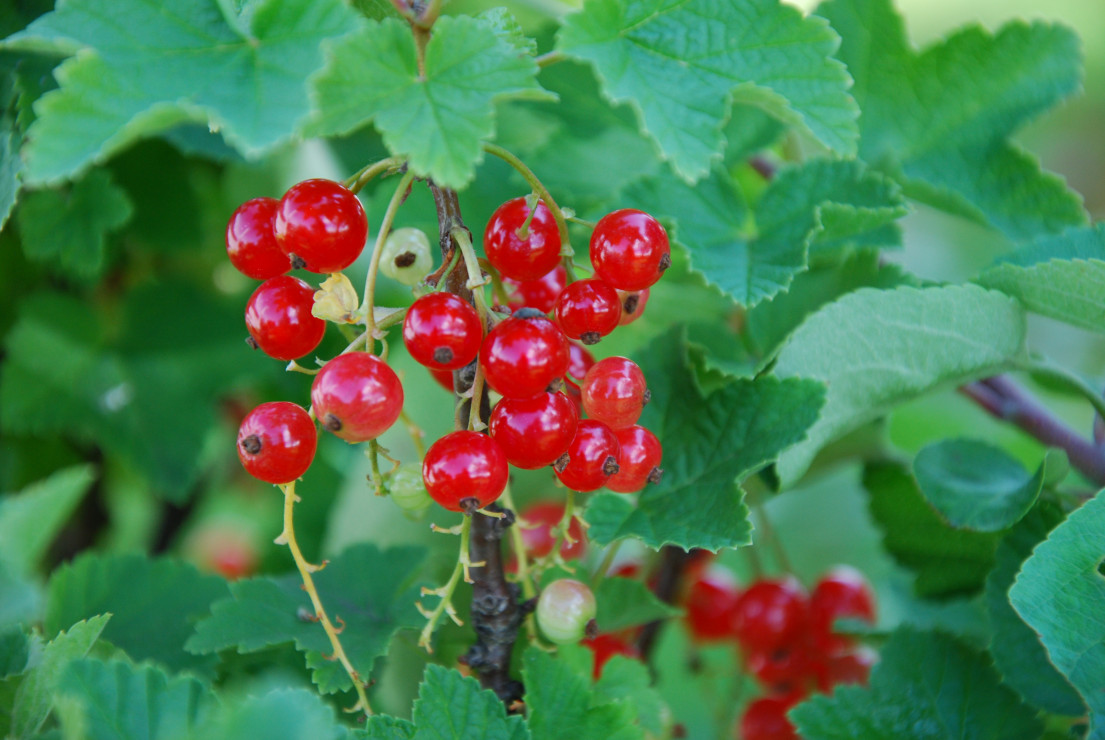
x,y
368,306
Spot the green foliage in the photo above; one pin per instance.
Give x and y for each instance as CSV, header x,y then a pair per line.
x,y
563,704
624,602
281,714
32,518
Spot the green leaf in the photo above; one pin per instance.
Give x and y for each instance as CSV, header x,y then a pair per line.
x,y
11,173
68,228
1060,593
192,61
926,686
753,255
947,561
682,66
625,602
1019,655
628,681
709,443
281,714
1058,276
266,611
940,120
36,693
436,120
976,485
562,705
30,520
875,349
154,603
384,727
15,651
699,693
454,707
120,701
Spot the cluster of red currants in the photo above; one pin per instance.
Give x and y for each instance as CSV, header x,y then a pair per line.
x,y
787,637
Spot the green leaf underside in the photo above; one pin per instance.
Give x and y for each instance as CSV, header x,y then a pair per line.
x,y
875,349
268,611
30,520
1058,276
1060,593
282,714
926,686
69,228
1019,655
437,122
940,120
625,602
683,64
946,561
11,173
753,255
562,706
154,604
142,67
454,707
976,485
709,443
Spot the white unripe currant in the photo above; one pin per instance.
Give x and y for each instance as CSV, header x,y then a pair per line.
x,y
408,491
564,609
407,256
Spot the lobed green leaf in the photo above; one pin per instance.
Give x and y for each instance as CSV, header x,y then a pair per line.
x,y
625,602
30,520
562,705
454,707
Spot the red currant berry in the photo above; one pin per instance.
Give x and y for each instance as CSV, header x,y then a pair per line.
x,y
579,362
633,305
605,647
321,225
538,538
588,310
279,318
523,354
783,669
251,243
540,294
519,250
591,459
276,442
564,609
629,249
444,378
357,396
639,462
442,332
535,431
770,614
710,602
464,471
766,719
841,593
614,392
853,667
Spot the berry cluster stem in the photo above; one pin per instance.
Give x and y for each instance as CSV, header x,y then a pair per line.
x,y
445,593
673,561
369,305
368,172
287,537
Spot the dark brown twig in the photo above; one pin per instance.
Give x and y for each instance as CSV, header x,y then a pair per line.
x,y
673,561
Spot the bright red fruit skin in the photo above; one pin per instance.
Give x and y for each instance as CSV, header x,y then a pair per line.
x,y
276,442
633,305
535,431
444,378
517,258
709,603
442,332
539,539
783,669
841,593
588,310
521,356
323,224
579,362
639,461
464,465
251,243
852,667
766,719
592,457
629,249
357,396
614,392
540,294
770,614
278,317
605,647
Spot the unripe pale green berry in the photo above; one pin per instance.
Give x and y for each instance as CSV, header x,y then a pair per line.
x,y
406,256
564,609
408,491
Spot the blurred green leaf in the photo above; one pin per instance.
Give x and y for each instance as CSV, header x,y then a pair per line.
x,y
11,173
454,707
627,681
625,602
15,651
31,519
281,714
562,704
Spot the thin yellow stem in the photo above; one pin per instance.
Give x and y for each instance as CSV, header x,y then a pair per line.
x,y
417,435
366,173
445,593
369,305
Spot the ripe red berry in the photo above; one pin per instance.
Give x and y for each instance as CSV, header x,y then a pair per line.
x,y
766,719
614,392
279,319
841,593
588,310
629,249
535,431
442,332
605,647
251,243
523,354
770,614
518,250
357,396
710,602
579,362
321,225
464,471
444,378
540,294
537,533
633,305
784,669
639,461
276,442
591,459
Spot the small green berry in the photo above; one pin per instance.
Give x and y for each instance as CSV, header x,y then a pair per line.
x,y
408,491
406,256
564,609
